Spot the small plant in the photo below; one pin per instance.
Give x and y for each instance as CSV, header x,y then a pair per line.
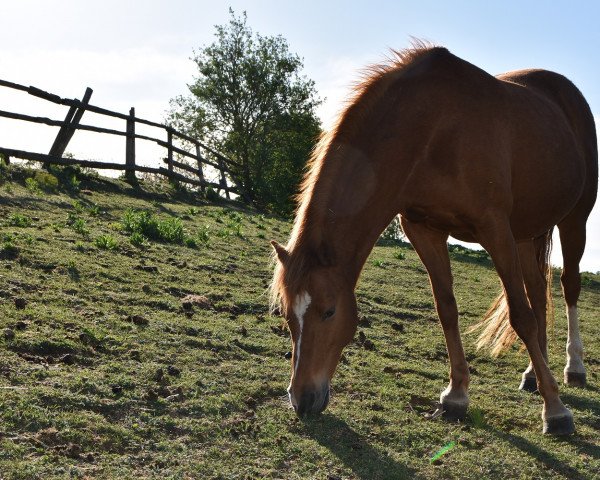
x,y
94,210
106,242
79,225
190,242
477,417
80,246
8,249
19,220
169,230
72,270
378,263
33,186
399,255
79,207
203,235
137,239
73,183
193,211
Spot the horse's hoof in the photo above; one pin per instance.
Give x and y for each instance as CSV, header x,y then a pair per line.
x,y
454,411
575,379
559,425
528,384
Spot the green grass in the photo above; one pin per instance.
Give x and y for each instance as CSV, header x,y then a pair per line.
x,y
111,369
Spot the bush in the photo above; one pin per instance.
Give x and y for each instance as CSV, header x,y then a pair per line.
x,y
46,181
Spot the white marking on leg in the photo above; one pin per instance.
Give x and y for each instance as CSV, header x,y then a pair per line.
x,y
574,344
300,306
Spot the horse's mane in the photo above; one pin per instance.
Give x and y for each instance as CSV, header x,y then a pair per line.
x,y
371,87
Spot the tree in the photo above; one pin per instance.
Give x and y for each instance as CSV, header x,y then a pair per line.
x,y
251,102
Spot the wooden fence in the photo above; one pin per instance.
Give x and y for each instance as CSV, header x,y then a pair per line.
x,y
71,123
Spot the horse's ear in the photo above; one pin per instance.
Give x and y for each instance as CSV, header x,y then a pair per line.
x,y
282,254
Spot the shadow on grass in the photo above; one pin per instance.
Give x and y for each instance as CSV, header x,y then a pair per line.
x,y
548,459
354,451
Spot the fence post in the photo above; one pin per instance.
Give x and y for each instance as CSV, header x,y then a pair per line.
x,y
66,131
130,148
170,151
223,180
200,172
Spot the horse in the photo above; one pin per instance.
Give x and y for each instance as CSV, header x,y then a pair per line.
x,y
453,151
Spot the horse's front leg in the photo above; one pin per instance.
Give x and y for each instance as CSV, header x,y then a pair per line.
x,y
432,248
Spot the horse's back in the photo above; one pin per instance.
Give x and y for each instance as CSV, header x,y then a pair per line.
x,y
569,116
523,142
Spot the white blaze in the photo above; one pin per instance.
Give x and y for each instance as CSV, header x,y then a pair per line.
x,y
574,345
300,306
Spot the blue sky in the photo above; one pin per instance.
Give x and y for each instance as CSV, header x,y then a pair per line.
x,y
136,53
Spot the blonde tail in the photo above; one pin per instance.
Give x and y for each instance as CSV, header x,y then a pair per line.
x,y
497,332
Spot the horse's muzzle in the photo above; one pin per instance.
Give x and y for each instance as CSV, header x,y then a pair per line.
x,y
312,401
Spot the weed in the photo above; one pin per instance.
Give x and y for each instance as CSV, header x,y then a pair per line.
x,y
79,225
94,210
72,270
8,249
106,242
79,207
190,242
80,246
477,417
378,263
19,220
399,255
138,239
203,235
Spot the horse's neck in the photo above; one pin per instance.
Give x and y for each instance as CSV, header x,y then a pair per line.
x,y
344,217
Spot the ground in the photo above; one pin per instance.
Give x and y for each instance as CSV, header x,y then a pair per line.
x,y
158,358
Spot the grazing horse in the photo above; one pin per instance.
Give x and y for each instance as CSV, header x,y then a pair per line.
x,y
454,151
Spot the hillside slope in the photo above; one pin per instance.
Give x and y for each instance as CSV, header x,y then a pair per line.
x,y
158,359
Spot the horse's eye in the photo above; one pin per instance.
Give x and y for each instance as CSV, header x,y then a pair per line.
x,y
329,313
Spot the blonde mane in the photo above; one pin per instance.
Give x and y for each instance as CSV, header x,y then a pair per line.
x,y
366,93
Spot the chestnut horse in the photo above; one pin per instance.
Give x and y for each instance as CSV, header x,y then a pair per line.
x,y
453,151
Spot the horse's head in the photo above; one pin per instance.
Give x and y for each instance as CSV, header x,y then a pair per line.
x,y
321,313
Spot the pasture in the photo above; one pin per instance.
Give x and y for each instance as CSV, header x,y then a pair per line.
x,y
126,357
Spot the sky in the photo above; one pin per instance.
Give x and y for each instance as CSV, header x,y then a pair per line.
x,y
137,54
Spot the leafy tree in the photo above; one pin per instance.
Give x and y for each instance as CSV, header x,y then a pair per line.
x,y
251,102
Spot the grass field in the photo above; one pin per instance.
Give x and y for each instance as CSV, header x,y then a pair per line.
x,y
138,346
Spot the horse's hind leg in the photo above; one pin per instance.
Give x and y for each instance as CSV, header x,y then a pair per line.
x,y
433,251
572,239
498,240
536,286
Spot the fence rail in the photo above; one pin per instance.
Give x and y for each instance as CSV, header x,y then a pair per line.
x,y
71,124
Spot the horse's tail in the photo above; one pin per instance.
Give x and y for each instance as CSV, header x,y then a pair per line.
x,y
497,333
